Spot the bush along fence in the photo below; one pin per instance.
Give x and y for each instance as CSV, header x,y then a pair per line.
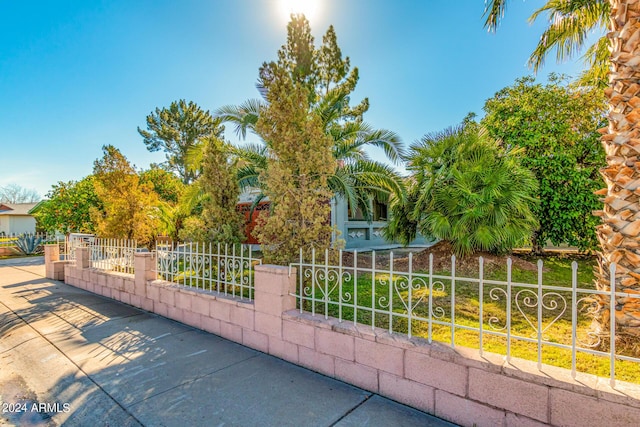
x,y
379,329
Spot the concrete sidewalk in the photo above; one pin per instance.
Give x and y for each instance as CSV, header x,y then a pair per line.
x,y
74,358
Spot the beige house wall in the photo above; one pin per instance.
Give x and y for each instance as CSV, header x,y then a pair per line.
x,y
17,224
4,224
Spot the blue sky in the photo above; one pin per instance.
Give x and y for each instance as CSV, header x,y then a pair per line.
x,y
76,75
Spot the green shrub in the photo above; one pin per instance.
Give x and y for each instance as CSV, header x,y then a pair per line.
x,y
470,191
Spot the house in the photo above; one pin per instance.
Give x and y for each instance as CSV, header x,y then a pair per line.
x,y
353,228
16,219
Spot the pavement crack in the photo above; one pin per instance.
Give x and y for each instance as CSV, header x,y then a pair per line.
x,y
346,414
17,345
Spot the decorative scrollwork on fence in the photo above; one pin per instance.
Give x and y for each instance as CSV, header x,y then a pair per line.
x,y
216,268
437,312
231,269
346,296
167,264
494,321
403,284
551,302
590,306
307,291
326,282
383,301
128,258
207,272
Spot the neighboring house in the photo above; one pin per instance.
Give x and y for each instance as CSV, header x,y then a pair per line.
x,y
16,219
354,229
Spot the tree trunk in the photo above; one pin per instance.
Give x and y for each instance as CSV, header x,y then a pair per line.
x,y
537,247
619,233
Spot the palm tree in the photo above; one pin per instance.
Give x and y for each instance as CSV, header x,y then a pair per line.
x,y
357,179
467,190
619,233
570,24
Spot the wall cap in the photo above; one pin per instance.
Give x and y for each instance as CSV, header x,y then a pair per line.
x,y
273,269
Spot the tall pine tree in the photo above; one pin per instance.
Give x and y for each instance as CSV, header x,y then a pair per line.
x,y
297,171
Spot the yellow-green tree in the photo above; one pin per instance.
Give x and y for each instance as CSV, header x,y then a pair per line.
x,y
129,208
298,166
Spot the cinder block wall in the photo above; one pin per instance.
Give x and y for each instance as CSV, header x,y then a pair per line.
x,y
455,384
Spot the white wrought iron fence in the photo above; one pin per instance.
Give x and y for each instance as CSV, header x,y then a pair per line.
x,y
221,268
113,255
73,241
546,323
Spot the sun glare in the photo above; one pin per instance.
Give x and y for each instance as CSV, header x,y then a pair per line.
x,y
309,8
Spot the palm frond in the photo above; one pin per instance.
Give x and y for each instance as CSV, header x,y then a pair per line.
x,y
194,156
248,177
251,160
570,24
341,184
255,154
243,116
374,177
256,201
332,106
351,138
192,197
494,12
596,59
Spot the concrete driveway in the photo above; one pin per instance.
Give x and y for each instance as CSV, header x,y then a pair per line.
x,y
74,358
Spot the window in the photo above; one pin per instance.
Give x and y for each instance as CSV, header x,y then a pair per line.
x,y
379,211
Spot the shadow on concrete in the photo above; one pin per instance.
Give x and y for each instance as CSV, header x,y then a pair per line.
x,y
112,364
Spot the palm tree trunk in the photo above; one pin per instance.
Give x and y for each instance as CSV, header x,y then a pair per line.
x,y
619,233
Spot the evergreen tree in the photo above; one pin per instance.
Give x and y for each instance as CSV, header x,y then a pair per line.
x,y
177,130
329,80
220,187
297,171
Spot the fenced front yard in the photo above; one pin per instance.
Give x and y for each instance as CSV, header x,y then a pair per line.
x,y
113,255
529,314
351,320
218,268
507,311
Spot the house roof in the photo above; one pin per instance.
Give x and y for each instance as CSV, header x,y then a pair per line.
x,y
16,208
